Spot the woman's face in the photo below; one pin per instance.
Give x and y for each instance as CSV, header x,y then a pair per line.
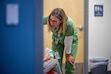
x,y
54,21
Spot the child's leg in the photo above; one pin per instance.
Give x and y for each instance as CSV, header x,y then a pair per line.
x,y
56,68
52,65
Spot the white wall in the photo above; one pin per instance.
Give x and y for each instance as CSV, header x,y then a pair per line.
x,y
99,34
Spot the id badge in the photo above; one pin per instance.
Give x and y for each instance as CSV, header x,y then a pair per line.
x,y
57,56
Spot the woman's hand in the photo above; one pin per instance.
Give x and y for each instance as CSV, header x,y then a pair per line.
x,y
70,58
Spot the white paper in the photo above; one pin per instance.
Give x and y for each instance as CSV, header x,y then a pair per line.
x,y
12,14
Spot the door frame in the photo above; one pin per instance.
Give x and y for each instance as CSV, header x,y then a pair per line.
x,y
86,37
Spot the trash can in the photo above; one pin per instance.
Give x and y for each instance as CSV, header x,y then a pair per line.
x,y
98,65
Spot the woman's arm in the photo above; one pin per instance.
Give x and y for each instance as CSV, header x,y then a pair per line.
x,y
45,20
69,41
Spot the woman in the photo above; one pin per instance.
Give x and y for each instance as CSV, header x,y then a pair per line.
x,y
64,35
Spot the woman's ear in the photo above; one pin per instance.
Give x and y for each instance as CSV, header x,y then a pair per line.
x,y
61,21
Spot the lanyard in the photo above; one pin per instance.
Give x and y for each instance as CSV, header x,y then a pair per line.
x,y
57,36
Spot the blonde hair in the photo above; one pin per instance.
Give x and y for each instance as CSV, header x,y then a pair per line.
x,y
60,14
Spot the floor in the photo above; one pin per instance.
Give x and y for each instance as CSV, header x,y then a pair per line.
x,y
79,68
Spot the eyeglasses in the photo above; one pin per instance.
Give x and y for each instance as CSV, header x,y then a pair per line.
x,y
54,21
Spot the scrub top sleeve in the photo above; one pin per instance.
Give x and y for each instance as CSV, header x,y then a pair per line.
x,y
45,19
69,29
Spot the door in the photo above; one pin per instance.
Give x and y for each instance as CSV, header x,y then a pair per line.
x,y
19,54
74,9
